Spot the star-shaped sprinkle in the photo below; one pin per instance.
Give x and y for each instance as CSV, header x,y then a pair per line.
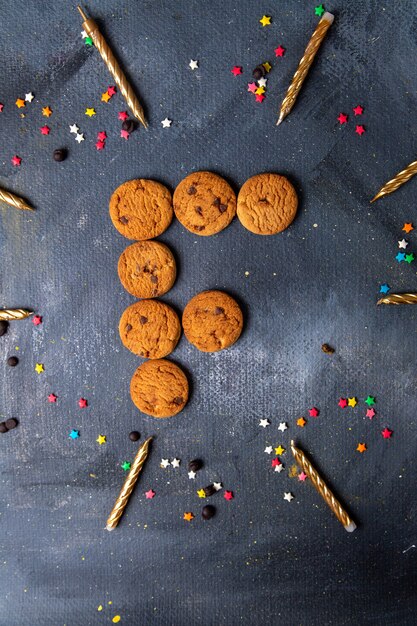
x,y
259,97
408,227
111,90
288,496
268,450
360,129
267,66
279,468
201,493
400,256
342,403
175,462
228,495
275,462
370,413
370,401
164,463
361,447
236,70
262,82
1,107
20,103
193,64
265,20
74,434
302,476
125,466
84,34
282,426
352,402
188,516
82,403
46,111
88,41
384,288
280,450
409,258
16,160
100,145
37,319
101,439
301,422
403,243
280,51
314,412
124,134
105,97
45,130
386,433
252,87
79,137
343,118
39,368
166,123
217,486
122,115
90,111
150,494
52,397
102,135
358,110
264,423
319,10
74,129
260,90
191,475
29,96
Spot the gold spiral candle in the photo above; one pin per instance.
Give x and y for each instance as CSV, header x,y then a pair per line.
x,y
323,489
109,59
399,298
15,201
129,484
398,180
304,65
14,314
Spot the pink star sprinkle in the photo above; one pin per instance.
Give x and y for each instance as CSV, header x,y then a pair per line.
x,y
252,87
122,115
228,495
358,110
370,413
302,476
124,134
360,129
386,433
342,403
52,397
260,97
36,319
1,107
45,130
16,160
342,119
82,403
314,412
102,136
111,90
100,145
236,70
150,494
280,51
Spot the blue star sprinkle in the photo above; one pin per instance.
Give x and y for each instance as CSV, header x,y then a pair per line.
x,y
384,288
74,434
400,257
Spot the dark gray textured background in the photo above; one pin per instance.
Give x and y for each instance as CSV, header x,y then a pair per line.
x,y
261,560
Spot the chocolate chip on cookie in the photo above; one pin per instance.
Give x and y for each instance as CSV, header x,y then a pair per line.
x,y
159,388
150,329
141,209
204,203
147,269
267,204
212,321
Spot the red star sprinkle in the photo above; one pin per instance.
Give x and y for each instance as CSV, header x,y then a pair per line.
x,y
124,134
82,403
360,129
275,462
386,433
16,160
342,119
228,495
1,107
280,51
236,70
52,397
342,403
314,412
260,97
370,413
252,87
302,476
122,115
45,130
100,145
150,494
102,136
358,110
111,90
36,319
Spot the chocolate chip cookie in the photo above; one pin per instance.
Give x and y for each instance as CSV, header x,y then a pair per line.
x,y
267,204
159,388
147,269
212,321
141,209
150,329
204,203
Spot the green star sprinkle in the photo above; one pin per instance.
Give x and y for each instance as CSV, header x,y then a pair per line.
x,y
125,466
319,10
88,41
370,400
409,257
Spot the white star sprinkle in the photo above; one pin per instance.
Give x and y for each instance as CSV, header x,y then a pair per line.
x,y
74,129
29,96
191,475
268,450
278,468
262,82
193,65
217,486
164,463
264,423
403,243
175,462
288,496
79,137
83,34
166,123
282,426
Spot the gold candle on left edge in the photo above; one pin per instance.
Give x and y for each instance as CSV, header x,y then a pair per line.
x,y
16,201
129,484
14,314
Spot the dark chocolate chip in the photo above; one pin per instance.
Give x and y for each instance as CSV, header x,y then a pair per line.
x,y
60,154
192,190
4,325
143,320
216,202
134,435
11,423
128,328
223,208
199,210
178,400
154,279
195,465
123,219
129,125
259,72
3,427
218,310
209,491
208,511
12,361
327,349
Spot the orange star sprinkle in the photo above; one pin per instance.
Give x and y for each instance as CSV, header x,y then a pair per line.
x,y
46,111
20,103
105,97
301,422
408,227
188,516
361,447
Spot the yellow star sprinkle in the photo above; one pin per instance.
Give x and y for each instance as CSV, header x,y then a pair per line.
x,y
259,91
20,103
279,450
265,20
90,112
46,111
267,66
39,368
201,493
105,97
116,619
352,402
101,439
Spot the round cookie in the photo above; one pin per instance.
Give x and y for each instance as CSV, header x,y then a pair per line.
x,y
150,329
204,203
147,269
267,204
159,388
141,209
212,321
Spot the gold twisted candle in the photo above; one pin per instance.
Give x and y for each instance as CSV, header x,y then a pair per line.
x,y
323,489
14,314
13,200
399,298
398,180
129,484
304,65
108,57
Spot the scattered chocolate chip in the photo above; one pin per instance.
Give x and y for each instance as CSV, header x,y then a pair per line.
x,y
199,210
3,427
327,349
11,423
209,491
216,202
128,328
60,154
178,400
223,208
208,511
143,320
195,465
191,190
218,310
259,72
12,361
4,325
154,279
129,125
134,435
123,219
